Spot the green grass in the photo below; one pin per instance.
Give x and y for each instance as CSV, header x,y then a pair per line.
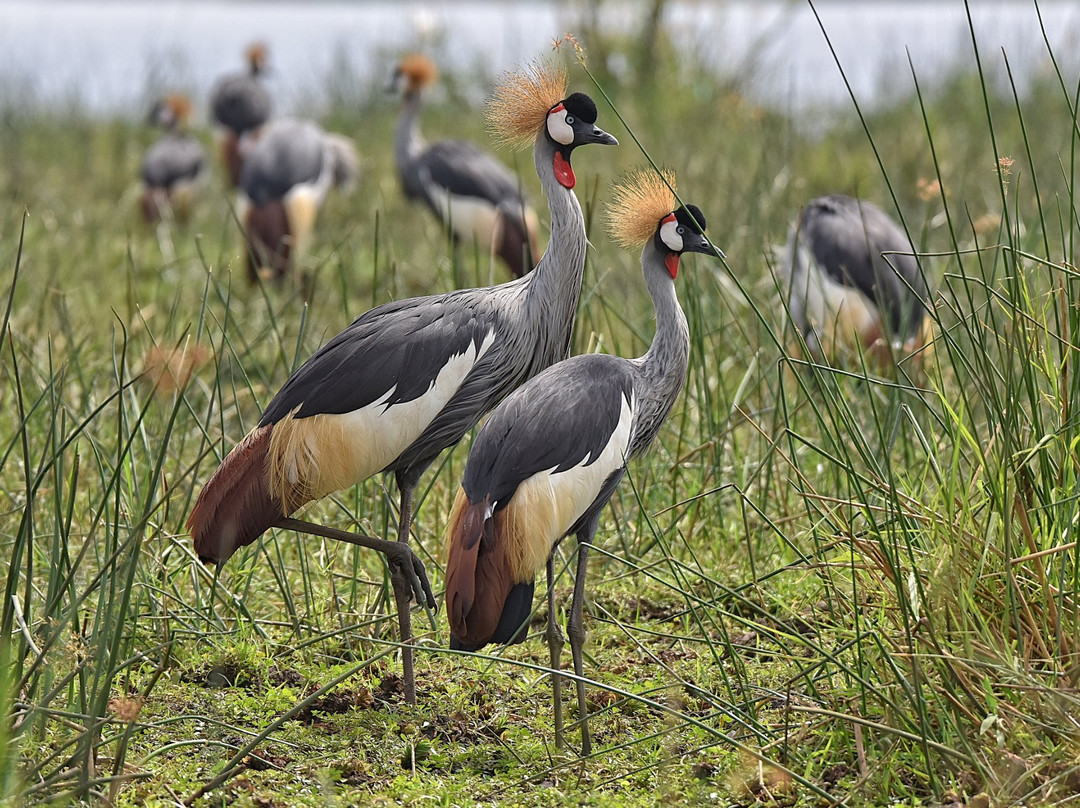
x,y
818,583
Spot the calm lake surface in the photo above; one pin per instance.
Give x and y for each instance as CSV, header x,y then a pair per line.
x,y
111,57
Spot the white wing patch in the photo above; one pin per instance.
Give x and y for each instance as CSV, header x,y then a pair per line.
x,y
548,504
471,218
303,200
315,456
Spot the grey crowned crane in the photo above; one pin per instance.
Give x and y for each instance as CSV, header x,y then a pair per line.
x,y
288,171
547,460
410,378
173,164
467,189
853,283
240,104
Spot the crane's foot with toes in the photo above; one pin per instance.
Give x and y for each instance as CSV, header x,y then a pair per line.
x,y
405,563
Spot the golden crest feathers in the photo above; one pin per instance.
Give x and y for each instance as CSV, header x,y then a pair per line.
x,y
419,70
521,100
179,105
256,54
639,201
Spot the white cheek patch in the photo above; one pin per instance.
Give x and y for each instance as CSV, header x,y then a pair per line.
x,y
669,234
558,128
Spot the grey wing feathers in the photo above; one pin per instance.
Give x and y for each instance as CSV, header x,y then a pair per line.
x,y
399,346
464,169
287,154
240,102
346,161
557,420
172,158
848,238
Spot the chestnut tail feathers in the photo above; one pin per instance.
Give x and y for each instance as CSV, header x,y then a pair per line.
x,y
235,506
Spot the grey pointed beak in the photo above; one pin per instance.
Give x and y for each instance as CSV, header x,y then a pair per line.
x,y
598,135
699,244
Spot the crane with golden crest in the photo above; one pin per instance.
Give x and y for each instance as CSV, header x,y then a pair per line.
x,y
469,190
409,378
240,105
547,460
174,163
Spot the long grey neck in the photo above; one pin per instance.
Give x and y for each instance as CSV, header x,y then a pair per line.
x,y
555,284
662,370
407,138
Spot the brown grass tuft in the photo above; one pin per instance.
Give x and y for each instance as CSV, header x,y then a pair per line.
x,y
169,369
521,100
419,70
640,200
125,708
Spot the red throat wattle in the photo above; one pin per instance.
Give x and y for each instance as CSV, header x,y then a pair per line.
x,y
671,261
564,173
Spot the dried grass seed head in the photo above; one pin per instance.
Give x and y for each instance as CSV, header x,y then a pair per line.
x,y
639,201
521,101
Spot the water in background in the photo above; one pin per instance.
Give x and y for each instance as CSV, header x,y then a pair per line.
x,y
112,57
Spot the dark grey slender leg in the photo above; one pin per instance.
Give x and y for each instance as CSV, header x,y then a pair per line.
x,y
399,556
402,597
407,575
575,630
555,645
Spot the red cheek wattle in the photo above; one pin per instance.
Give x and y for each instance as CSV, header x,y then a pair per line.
x,y
671,261
564,173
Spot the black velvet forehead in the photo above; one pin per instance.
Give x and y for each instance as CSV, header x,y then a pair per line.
x,y
687,216
581,106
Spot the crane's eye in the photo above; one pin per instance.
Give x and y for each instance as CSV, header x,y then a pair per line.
x,y
559,126
681,231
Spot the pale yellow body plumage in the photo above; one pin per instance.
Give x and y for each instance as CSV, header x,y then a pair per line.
x,y
546,505
302,206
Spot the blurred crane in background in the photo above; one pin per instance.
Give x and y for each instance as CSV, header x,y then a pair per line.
x,y
287,173
853,283
468,189
240,104
173,164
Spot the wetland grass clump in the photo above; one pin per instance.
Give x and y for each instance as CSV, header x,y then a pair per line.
x,y
823,583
